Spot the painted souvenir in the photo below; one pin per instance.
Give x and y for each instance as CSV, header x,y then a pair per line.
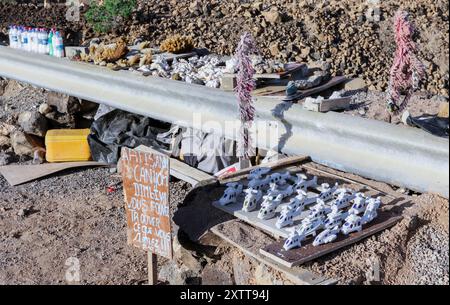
x,y
327,191
251,200
258,173
293,241
303,184
232,192
371,210
359,204
326,236
352,223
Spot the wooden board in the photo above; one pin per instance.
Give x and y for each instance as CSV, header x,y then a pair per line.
x,y
308,252
18,174
268,226
182,171
146,188
272,165
305,93
289,70
188,173
297,275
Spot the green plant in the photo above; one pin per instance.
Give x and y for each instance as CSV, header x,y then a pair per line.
x,y
104,17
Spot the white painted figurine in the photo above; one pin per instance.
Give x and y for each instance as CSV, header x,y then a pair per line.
x,y
292,209
302,184
343,199
335,218
371,210
251,200
275,190
259,184
359,204
280,179
352,223
319,211
327,191
326,236
258,173
293,241
268,208
302,195
231,193
310,226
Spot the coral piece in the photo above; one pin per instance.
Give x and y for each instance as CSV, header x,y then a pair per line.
x,y
146,59
407,70
245,85
177,44
133,60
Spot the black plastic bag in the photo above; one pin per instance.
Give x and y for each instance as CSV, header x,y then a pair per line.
x,y
118,128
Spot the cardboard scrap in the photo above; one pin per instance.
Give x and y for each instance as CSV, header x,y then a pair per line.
x,y
18,174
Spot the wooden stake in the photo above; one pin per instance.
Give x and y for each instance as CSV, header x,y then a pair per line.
x,y
152,269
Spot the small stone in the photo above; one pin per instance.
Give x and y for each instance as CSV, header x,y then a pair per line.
x,y
24,145
63,102
45,108
175,275
274,50
33,123
6,129
273,16
4,142
6,158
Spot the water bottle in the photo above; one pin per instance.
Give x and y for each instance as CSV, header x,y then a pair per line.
x,y
25,39
58,45
50,42
13,39
43,41
35,44
10,35
19,37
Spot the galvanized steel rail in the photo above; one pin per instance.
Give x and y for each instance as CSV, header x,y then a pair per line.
x,y
394,154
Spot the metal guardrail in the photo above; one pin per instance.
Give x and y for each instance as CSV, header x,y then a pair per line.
x,y
401,156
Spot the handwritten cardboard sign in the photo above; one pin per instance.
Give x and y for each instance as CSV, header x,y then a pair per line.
x,y
145,175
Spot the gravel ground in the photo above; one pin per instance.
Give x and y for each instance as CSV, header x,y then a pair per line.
x,y
339,32
69,215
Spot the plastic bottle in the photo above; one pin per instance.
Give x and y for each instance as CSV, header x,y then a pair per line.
x,y
19,37
25,39
35,44
10,35
50,42
58,45
43,41
13,39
